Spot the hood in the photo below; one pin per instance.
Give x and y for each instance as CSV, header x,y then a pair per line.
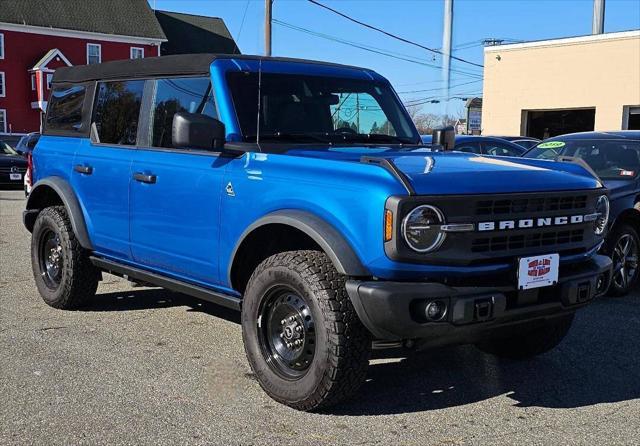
x,y
12,160
461,173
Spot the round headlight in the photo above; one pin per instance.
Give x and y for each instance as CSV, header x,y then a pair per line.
x,y
602,209
421,228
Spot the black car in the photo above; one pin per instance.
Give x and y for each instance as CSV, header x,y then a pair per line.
x,y
525,141
12,167
27,143
487,145
615,158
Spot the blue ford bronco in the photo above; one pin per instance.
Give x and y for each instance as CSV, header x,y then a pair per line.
x,y
299,193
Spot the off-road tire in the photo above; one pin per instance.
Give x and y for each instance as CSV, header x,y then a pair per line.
x,y
612,240
79,278
343,344
531,342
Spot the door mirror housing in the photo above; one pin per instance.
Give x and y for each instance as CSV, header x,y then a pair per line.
x,y
445,137
197,131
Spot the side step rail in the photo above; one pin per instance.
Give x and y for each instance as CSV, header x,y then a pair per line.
x,y
196,291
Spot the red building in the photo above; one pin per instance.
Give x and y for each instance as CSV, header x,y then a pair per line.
x,y
37,36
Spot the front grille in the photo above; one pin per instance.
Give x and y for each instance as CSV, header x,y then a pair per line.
x,y
528,205
555,239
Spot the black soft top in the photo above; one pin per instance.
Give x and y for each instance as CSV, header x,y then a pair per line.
x,y
174,65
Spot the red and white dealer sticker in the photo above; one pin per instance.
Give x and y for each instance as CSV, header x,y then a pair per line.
x,y
538,271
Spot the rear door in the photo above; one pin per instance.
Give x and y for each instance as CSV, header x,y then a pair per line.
x,y
175,191
102,166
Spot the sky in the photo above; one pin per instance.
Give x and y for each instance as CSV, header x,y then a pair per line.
x,y
323,35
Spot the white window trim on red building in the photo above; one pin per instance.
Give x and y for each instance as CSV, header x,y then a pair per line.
x,y
136,48
3,83
1,46
3,129
94,45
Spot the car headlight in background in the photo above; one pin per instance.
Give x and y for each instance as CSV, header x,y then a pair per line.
x,y
421,228
602,211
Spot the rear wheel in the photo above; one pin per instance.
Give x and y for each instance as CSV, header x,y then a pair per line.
x,y
64,276
302,337
530,343
624,250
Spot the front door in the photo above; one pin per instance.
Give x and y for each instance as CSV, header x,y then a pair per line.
x,y
175,192
101,170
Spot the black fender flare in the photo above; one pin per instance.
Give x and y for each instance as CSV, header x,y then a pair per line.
x,y
70,201
325,235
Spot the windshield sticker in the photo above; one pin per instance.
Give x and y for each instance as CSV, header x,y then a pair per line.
x,y
551,145
627,173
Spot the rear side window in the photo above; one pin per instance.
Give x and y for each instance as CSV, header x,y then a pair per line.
x,y
192,95
65,108
117,111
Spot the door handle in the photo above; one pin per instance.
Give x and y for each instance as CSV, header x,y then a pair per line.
x,y
144,177
81,168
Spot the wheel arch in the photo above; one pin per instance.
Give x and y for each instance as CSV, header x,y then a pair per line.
x,y
54,191
290,230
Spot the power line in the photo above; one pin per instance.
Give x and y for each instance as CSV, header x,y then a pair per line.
x,y
440,88
373,49
244,16
394,36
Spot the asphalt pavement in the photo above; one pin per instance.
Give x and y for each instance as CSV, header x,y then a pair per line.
x,y
147,366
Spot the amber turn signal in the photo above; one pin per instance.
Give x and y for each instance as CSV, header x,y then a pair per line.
x,y
388,225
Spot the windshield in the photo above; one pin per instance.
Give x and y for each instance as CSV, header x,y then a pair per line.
x,y
297,108
6,149
610,159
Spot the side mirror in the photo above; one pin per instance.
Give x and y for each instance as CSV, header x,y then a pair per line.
x,y
445,137
197,131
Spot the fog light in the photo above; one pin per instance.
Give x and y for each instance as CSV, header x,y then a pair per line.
x,y
436,310
601,283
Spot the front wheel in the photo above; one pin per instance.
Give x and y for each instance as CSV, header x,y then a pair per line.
x,y
530,343
624,249
303,339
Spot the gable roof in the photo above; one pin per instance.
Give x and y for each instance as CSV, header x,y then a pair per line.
x,y
190,34
44,61
119,17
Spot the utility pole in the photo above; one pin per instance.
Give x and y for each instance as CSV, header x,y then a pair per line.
x,y
267,27
446,46
597,26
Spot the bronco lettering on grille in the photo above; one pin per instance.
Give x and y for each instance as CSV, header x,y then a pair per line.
x,y
527,223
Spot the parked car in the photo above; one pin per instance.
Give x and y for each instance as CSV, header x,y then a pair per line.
x,y
482,145
615,159
487,145
322,226
525,141
27,143
12,167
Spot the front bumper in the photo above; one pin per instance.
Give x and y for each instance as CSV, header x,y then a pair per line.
x,y
395,310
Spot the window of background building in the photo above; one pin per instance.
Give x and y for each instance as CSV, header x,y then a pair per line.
x,y
1,46
33,82
3,85
3,121
94,53
137,53
117,111
49,79
191,95
631,118
65,108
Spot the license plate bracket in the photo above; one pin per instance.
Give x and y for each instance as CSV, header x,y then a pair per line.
x,y
538,271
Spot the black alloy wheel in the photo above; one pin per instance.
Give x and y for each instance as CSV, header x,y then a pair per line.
x,y
624,255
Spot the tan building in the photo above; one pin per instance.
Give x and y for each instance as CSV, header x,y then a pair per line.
x,y
561,86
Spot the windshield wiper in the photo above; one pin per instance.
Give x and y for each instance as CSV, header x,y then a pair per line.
x,y
375,138
284,136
